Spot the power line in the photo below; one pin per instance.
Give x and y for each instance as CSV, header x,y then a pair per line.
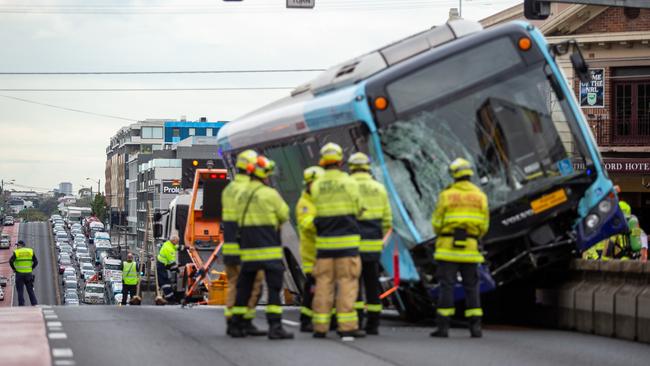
x,y
146,89
68,109
250,71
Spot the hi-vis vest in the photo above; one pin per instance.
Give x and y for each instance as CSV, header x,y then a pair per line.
x,y
24,260
229,217
305,211
462,206
168,253
376,219
261,212
338,207
129,273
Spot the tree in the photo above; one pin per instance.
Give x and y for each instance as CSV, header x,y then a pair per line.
x,y
99,207
32,214
49,206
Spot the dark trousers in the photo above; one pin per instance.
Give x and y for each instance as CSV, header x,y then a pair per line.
x,y
446,273
308,296
26,280
126,290
273,277
164,282
369,282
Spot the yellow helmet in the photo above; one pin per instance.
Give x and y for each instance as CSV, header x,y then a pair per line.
x,y
264,167
312,173
246,160
625,207
330,153
359,161
460,168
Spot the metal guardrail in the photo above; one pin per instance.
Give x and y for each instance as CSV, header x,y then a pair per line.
x,y
609,298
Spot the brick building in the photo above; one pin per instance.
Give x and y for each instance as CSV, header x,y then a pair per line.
x,y
616,44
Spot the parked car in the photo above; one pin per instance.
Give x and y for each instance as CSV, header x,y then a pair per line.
x,y
4,243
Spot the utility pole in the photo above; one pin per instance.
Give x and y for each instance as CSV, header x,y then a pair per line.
x,y
460,8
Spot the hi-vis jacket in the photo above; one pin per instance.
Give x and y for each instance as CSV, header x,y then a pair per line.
x,y
376,219
305,212
229,217
461,206
168,253
338,207
261,212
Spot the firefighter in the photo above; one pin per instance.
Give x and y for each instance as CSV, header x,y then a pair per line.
x,y
261,212
461,218
245,165
374,223
23,261
305,211
338,206
167,260
621,246
129,278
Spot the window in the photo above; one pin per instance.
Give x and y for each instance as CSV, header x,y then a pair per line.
x,y
176,132
152,132
631,111
208,132
192,131
146,149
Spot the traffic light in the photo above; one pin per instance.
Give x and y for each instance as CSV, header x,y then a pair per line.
x,y
537,9
189,166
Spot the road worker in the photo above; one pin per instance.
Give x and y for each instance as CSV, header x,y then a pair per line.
x,y
23,261
622,245
261,212
129,278
245,165
338,266
167,260
305,212
374,223
461,218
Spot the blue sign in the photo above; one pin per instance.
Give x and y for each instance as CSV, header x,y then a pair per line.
x,y
565,167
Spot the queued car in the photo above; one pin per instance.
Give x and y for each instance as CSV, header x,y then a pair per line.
x,y
64,263
2,294
9,221
5,243
94,293
68,278
3,281
87,274
70,299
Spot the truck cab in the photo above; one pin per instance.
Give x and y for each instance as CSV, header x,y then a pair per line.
x,y
111,270
94,293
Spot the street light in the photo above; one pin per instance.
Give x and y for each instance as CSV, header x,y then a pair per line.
x,y
2,184
96,181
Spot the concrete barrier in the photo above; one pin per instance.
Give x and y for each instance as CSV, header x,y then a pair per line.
x,y
626,310
605,296
643,308
584,295
566,299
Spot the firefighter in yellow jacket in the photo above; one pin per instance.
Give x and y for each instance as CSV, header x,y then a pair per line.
x,y
374,223
261,212
305,212
245,165
338,207
461,218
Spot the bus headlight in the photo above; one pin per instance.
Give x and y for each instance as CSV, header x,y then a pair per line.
x,y
605,206
592,221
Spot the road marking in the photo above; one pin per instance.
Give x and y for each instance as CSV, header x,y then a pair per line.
x,y
48,311
290,322
57,335
56,329
54,324
62,352
51,316
64,363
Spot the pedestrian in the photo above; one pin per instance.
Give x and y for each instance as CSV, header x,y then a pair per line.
x,y
338,266
167,260
245,165
461,218
305,212
262,211
130,278
374,224
23,261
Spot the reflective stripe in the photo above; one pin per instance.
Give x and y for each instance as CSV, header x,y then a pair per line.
x,y
371,246
451,255
306,311
446,311
473,312
227,312
374,308
230,249
337,242
319,318
165,286
239,310
307,267
347,317
273,309
261,254
250,313
359,305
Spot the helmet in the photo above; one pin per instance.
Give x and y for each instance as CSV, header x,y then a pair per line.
x,y
330,153
20,243
625,207
460,168
312,173
263,167
246,160
359,161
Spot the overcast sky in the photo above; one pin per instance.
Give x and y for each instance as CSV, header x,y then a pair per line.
x,y
41,146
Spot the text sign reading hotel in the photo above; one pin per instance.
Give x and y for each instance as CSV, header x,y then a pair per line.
x,y
631,166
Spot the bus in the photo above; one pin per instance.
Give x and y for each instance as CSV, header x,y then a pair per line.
x,y
495,97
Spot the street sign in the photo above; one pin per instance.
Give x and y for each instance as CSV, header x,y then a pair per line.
x,y
301,4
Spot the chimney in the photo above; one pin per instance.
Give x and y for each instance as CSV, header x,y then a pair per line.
x,y
454,14
203,119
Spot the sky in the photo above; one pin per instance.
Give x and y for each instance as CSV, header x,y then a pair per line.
x,y
41,145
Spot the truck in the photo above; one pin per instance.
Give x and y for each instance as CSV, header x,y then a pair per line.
x,y
111,270
93,293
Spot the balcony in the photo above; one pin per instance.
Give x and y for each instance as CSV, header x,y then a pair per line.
x,y
621,133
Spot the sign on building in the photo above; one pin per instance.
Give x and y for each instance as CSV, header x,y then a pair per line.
x,y
171,186
592,94
301,4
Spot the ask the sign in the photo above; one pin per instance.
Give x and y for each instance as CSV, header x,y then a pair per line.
x,y
592,94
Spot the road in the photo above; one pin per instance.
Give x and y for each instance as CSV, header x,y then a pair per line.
x,y
149,335
36,235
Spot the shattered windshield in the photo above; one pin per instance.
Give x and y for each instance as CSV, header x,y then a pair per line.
x,y
513,128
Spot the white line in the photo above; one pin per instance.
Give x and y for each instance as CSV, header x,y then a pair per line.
x,y
56,329
54,324
57,335
48,311
62,352
51,316
290,322
64,363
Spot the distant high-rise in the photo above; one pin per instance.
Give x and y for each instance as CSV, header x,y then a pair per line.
x,y
65,188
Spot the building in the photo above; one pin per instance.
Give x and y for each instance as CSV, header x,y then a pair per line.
x,y
616,44
65,188
177,131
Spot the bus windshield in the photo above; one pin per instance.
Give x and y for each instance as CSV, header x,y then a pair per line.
x,y
504,117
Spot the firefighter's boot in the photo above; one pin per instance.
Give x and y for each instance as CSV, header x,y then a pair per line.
x,y
306,325
361,315
276,331
237,329
475,327
443,327
353,334
252,330
228,325
372,325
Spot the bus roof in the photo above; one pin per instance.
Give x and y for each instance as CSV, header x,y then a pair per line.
x,y
303,110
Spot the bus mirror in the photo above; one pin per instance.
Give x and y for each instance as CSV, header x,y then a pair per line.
x,y
157,230
580,65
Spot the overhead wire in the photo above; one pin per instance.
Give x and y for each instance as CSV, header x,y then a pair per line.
x,y
69,109
248,71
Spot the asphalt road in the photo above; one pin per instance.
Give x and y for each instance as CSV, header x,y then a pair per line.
x,y
36,235
149,335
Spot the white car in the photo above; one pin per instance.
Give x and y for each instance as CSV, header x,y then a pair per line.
x,y
69,271
102,243
87,274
